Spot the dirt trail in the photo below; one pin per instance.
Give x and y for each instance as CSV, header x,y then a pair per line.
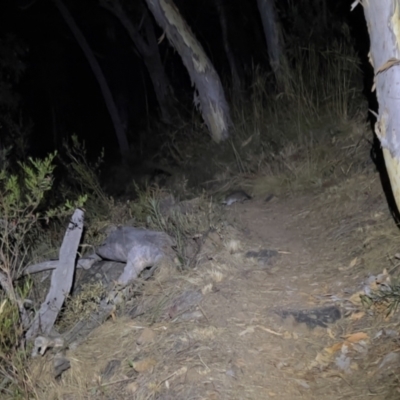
x,y
228,340
281,358
272,355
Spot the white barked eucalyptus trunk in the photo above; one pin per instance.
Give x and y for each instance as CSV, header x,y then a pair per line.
x,y
209,96
383,20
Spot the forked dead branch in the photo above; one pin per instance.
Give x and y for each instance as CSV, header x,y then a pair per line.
x,y
138,249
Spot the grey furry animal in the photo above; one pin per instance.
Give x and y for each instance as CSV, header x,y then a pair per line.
x,y
238,196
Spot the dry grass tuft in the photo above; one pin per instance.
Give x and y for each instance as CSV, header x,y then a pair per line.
x,y
216,275
233,246
152,367
80,306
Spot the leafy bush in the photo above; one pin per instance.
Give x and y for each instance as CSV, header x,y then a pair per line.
x,y
22,210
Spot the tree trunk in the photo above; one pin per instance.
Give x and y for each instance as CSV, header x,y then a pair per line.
x,y
112,108
148,49
382,19
210,97
273,37
236,77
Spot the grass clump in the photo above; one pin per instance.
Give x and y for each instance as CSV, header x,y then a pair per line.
x,y
82,305
385,299
185,221
23,211
295,139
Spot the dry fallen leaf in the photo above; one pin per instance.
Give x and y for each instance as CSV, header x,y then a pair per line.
x,y
249,329
355,297
352,264
333,349
144,365
356,337
357,316
287,335
132,387
330,333
349,339
147,336
323,358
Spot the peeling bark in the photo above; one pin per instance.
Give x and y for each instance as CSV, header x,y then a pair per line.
x,y
383,20
210,96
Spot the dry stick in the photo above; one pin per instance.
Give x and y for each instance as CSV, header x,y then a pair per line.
x,y
114,382
269,330
170,376
61,279
204,314
162,381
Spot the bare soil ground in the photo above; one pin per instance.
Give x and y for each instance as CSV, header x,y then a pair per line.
x,y
237,326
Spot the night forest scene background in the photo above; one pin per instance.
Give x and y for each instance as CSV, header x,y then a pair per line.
x,y
233,155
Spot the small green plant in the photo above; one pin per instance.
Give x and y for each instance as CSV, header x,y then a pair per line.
x,y
182,221
11,329
22,209
385,299
15,380
23,215
20,197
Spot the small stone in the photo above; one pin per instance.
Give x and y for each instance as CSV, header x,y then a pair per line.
x,y
144,365
147,336
132,387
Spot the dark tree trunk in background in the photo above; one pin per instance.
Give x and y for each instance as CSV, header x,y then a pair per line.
x,y
274,39
105,90
383,25
211,97
233,65
147,45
